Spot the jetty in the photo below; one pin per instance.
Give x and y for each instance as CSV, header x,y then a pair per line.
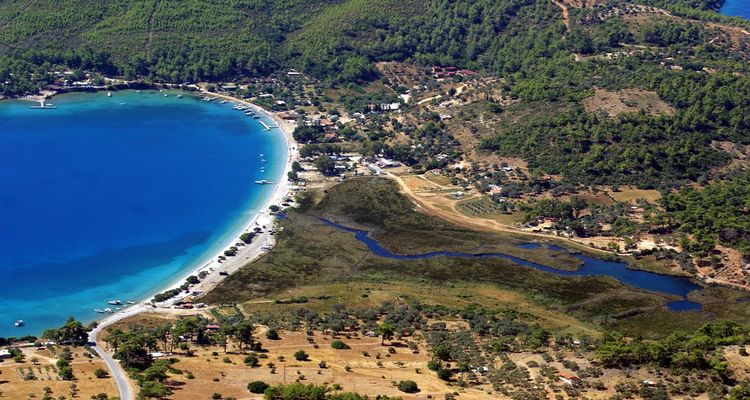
x,y
268,128
43,106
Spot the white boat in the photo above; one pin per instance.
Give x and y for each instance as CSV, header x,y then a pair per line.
x,y
130,302
179,96
108,310
224,102
99,310
114,302
263,182
19,323
166,95
109,94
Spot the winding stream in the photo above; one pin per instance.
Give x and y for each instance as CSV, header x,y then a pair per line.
x,y
673,285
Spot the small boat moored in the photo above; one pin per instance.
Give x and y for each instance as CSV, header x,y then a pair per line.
x,y
19,323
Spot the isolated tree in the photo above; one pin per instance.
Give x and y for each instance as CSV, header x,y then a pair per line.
x,y
385,331
243,333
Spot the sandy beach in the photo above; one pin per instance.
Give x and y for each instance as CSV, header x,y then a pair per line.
x,y
260,244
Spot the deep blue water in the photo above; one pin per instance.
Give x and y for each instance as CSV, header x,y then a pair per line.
x,y
736,8
113,198
591,267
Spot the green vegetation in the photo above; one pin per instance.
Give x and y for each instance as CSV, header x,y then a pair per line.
x,y
302,258
257,387
678,350
299,391
715,214
73,332
339,345
408,387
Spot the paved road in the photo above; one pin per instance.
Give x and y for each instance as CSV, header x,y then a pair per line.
x,y
115,370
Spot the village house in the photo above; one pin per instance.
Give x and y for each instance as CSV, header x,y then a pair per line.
x,y
570,380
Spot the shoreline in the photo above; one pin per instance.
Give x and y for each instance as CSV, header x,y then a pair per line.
x,y
245,254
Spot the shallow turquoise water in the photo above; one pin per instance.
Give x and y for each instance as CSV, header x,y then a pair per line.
x,y
111,198
736,8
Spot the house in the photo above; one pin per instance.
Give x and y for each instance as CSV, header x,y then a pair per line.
x,y
386,163
326,123
390,106
5,353
212,328
570,380
375,169
495,190
293,72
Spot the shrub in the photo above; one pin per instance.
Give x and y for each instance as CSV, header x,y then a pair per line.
x,y
257,387
251,360
301,355
433,365
444,374
100,373
339,345
66,373
408,386
272,334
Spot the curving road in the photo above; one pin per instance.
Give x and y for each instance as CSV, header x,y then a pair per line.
x,y
115,369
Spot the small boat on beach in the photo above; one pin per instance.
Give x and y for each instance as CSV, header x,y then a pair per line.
x,y
130,302
108,310
19,323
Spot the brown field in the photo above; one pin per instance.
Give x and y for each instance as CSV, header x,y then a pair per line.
x,y
627,101
214,375
628,193
42,364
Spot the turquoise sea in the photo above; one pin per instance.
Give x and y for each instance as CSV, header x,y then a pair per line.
x,y
736,8
115,197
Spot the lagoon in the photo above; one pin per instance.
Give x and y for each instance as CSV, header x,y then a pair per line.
x,y
115,197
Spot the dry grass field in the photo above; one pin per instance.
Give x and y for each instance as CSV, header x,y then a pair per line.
x,y
16,385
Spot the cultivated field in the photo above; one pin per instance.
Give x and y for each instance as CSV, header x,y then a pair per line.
x,y
28,379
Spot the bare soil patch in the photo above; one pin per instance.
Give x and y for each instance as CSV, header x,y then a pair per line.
x,y
627,101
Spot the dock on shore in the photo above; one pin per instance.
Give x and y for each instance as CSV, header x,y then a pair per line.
x,y
268,128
